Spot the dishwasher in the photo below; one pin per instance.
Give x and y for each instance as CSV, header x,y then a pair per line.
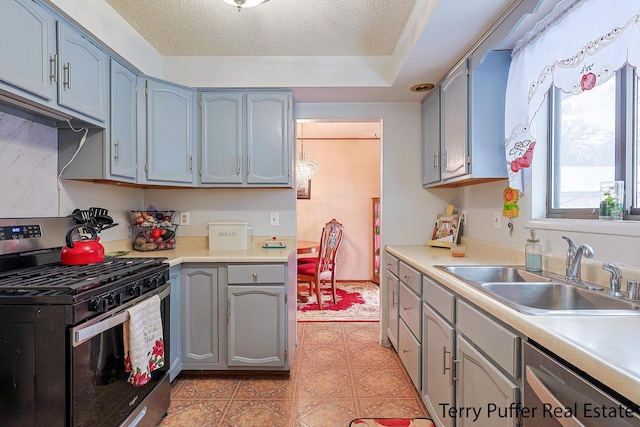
x,y
557,394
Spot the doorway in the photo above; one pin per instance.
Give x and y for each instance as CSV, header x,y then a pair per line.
x,y
349,177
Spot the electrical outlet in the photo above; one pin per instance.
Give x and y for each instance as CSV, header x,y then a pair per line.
x,y
184,218
463,214
497,220
274,219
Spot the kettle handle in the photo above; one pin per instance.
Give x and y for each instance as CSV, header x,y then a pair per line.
x,y
94,235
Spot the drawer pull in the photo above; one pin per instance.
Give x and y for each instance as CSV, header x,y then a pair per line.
x,y
406,308
255,277
393,297
405,351
446,368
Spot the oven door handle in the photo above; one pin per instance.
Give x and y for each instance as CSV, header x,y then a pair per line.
x,y
84,333
546,396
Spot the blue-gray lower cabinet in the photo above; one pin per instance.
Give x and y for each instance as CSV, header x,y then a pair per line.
x,y
175,325
201,317
256,326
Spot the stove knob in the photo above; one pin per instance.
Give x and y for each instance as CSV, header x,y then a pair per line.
x,y
98,304
135,289
154,282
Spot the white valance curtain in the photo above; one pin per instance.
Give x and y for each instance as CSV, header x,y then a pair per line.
x,y
579,45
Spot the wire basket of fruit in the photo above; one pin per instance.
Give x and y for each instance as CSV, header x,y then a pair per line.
x,y
153,230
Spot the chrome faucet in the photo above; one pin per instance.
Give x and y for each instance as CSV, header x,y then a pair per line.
x,y
614,282
574,256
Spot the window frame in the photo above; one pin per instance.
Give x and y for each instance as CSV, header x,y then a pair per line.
x,y
626,148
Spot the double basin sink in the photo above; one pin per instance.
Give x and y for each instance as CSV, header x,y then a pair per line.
x,y
541,294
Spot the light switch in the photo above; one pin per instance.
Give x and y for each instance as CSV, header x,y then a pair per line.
x,y
274,219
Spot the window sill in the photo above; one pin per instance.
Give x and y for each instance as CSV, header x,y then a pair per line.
x,y
592,226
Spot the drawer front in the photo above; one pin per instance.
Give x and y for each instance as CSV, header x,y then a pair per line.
x,y
500,344
410,306
439,298
411,277
392,264
257,273
410,352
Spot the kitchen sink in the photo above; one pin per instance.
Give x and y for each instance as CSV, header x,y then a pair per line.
x,y
558,298
502,274
541,294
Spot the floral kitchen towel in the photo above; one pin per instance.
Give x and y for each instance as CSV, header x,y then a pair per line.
x,y
143,341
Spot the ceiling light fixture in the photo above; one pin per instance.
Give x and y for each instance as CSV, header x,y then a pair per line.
x,y
305,168
422,87
243,4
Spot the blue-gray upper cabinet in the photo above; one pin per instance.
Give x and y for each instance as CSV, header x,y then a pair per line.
x,y
454,92
28,46
269,129
170,134
246,139
222,136
431,138
83,72
123,123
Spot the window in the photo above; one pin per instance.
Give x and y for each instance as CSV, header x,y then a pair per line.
x,y
593,140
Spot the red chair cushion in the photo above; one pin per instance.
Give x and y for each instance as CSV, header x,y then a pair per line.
x,y
307,260
307,269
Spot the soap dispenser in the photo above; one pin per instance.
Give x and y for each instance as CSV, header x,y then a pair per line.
x,y
533,254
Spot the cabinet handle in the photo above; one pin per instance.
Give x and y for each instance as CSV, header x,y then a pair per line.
x,y
454,365
190,163
435,160
67,75
393,297
228,310
238,165
255,277
53,68
116,156
446,368
406,308
405,351
443,160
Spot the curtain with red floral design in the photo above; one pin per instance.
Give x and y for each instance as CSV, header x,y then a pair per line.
x,y
579,45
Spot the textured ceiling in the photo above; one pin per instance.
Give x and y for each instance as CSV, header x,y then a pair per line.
x,y
276,28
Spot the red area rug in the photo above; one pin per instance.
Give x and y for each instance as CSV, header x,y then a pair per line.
x,y
355,302
392,422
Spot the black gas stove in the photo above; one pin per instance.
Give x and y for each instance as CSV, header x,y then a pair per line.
x,y
88,289
61,326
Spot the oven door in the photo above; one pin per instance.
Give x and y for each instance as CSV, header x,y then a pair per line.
x,y
100,392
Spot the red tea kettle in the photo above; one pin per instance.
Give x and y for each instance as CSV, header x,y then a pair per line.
x,y
83,251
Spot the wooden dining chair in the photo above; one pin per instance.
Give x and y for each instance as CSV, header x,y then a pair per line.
x,y
324,268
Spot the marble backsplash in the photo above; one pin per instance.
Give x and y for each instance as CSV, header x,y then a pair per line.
x,y
28,168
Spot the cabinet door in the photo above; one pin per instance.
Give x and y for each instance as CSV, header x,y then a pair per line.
x,y
256,326
28,46
222,138
437,364
454,109
169,133
409,350
83,71
201,318
175,331
482,386
431,138
123,122
269,122
392,308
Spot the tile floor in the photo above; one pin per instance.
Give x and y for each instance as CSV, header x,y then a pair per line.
x,y
339,373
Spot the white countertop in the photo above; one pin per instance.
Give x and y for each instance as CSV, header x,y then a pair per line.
x,y
196,250
606,347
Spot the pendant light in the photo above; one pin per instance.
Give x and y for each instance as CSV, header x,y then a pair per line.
x,y
305,168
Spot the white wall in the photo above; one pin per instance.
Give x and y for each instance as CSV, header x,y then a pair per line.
x,y
244,204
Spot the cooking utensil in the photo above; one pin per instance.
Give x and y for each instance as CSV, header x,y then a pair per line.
x,y
82,251
95,212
